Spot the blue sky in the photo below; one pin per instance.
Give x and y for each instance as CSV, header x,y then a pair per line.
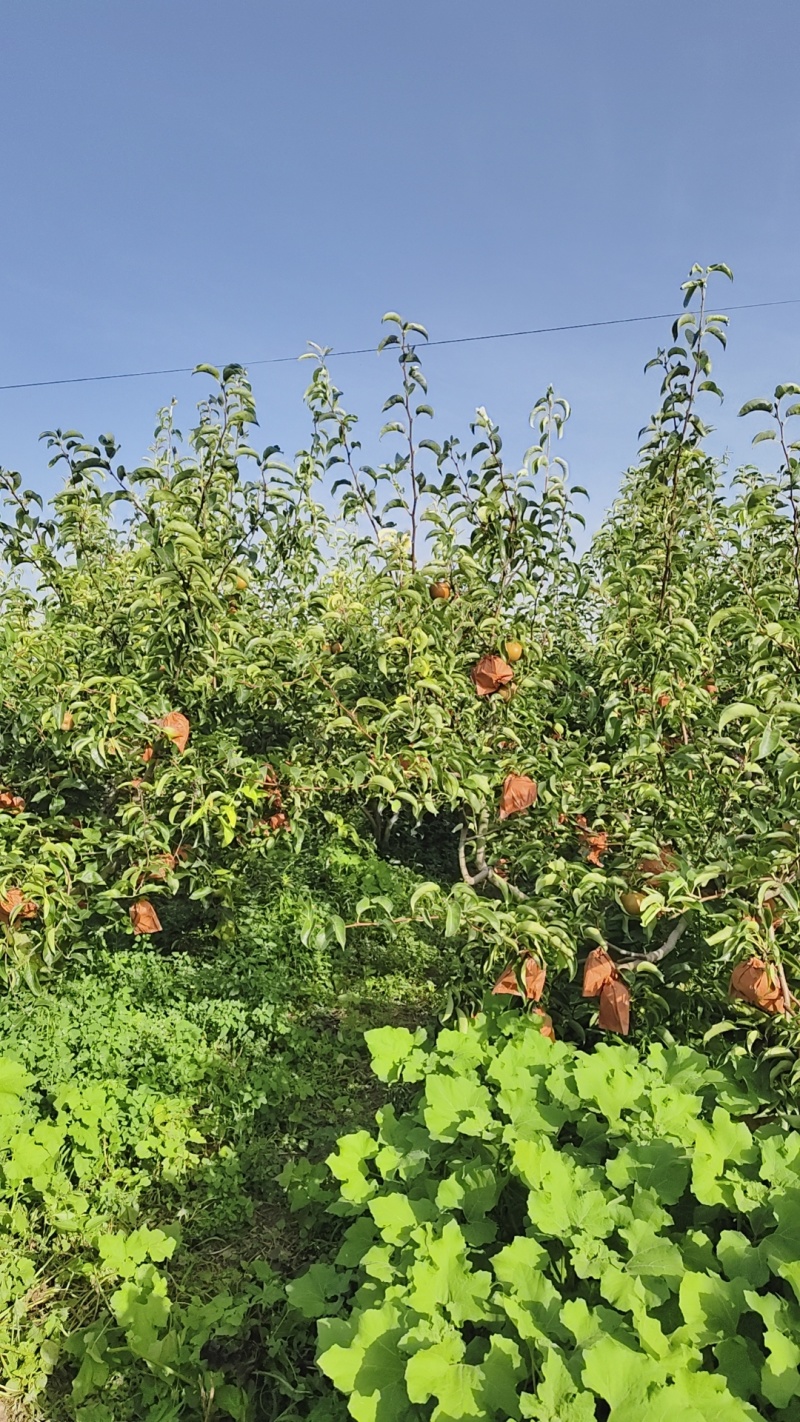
x,y
187,181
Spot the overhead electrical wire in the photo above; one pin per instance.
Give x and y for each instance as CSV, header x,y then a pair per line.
x,y
370,350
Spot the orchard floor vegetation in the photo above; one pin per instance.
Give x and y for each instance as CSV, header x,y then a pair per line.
x,y
400,916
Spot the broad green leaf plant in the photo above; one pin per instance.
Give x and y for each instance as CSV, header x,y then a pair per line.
x,y
552,1234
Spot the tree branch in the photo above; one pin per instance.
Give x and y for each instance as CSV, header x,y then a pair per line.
x,y
485,872
462,854
657,954
787,996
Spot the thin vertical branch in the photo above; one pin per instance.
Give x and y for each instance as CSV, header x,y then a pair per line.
x,y
790,474
674,480
414,511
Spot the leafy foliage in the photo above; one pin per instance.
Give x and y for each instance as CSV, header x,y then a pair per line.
x,y
144,1254
546,1232
291,749
211,668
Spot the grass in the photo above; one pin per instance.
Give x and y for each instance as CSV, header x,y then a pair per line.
x,y
257,1046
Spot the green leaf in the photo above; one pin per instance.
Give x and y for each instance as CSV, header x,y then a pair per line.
x,y
695,1397
395,1051
621,1375
558,1398
142,1308
358,1238
651,1255
563,1196
339,929
396,1215
14,1080
369,1368
781,1249
711,1307
348,1163
740,1260
661,1166
456,1106
33,1155
765,406
463,1389
711,387
441,1279
769,743
318,1291
719,1144
452,921
739,710
440,1372
741,1362
527,1294
780,1376
610,1077
92,1375
125,1253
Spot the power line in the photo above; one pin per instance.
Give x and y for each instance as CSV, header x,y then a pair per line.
x,y
370,350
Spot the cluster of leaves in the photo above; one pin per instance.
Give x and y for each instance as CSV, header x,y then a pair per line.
x,y
71,1161
330,680
449,733
146,1109
556,1234
132,627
